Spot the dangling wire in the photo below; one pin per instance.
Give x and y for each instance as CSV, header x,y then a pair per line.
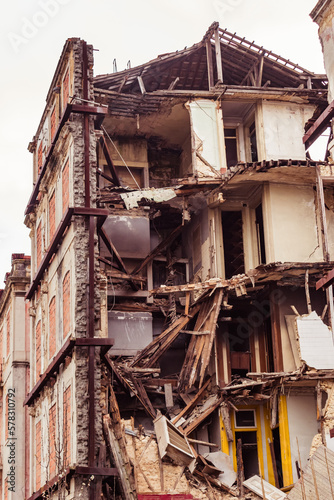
x,y
121,157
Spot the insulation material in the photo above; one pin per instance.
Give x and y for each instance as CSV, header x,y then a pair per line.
x,y
158,195
315,342
132,331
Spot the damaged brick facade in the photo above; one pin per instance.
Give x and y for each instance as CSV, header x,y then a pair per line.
x,y
176,249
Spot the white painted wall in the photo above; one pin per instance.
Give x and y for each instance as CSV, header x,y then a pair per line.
x,y
290,224
302,417
207,136
283,129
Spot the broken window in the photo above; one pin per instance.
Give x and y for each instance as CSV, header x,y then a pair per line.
x,y
260,234
253,143
231,148
233,243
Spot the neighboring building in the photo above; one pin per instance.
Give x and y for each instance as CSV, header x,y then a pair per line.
x,y
14,382
186,176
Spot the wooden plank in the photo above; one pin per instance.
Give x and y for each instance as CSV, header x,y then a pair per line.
x,y
141,85
307,292
319,126
273,461
209,63
219,63
212,327
142,395
186,309
240,469
260,72
326,281
159,345
193,402
225,413
168,396
112,250
110,163
120,459
192,426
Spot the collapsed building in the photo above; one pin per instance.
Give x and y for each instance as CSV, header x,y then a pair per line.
x,y
179,232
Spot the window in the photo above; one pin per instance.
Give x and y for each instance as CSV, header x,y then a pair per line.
x,y
52,441
65,185
52,216
39,244
253,144
231,148
66,305
38,347
245,418
67,427
260,234
52,327
233,243
38,454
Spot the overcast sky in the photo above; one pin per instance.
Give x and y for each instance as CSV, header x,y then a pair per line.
x,y
33,33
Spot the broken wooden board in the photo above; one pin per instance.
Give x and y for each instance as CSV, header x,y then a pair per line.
x,y
318,477
200,413
200,346
149,356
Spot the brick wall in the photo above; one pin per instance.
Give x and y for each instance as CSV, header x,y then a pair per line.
x,y
52,215
52,327
65,181
66,305
67,426
38,349
66,88
52,441
40,156
38,454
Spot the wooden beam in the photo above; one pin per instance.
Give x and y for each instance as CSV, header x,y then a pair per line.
x,y
307,292
174,83
218,56
260,72
209,63
110,163
322,209
141,85
319,126
326,281
193,402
